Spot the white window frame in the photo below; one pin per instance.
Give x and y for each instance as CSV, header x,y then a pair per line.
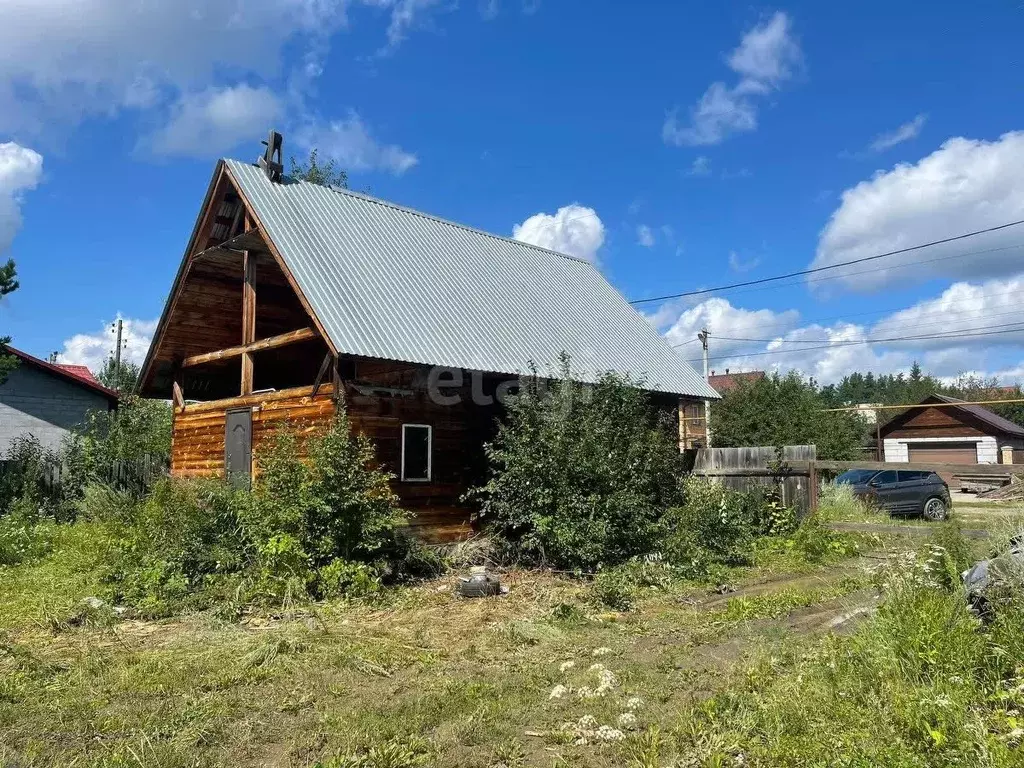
x,y
430,454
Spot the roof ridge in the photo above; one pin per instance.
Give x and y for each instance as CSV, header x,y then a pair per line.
x,y
431,216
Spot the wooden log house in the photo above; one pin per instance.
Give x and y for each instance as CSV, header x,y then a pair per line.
x,y
291,295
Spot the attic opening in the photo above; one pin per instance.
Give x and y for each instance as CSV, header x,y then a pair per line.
x,y
235,324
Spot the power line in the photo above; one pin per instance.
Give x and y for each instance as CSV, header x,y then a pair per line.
x,y
895,310
913,327
840,344
830,266
817,341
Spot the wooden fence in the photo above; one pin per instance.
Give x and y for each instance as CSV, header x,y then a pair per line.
x,y
798,471
792,469
135,476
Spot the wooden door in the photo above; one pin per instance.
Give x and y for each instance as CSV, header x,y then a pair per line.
x,y
238,447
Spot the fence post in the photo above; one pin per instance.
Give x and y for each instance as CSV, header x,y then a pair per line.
x,y
812,483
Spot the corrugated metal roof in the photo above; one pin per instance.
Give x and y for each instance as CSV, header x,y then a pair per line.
x,y
388,282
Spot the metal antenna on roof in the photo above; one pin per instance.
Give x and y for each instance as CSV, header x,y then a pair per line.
x,y
271,160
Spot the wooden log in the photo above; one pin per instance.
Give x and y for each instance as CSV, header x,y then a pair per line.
x,y
953,469
273,342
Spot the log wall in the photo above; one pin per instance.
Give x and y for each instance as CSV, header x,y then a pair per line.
x,y
459,431
197,436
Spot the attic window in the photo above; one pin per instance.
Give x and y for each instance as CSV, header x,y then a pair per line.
x,y
417,447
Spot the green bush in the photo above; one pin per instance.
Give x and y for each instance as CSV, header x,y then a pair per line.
x,y
319,522
717,525
580,474
23,534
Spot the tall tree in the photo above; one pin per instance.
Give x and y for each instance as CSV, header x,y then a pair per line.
x,y
785,410
316,171
119,376
8,285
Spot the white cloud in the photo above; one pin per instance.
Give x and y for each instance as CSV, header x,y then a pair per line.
x,y
489,9
349,141
93,349
20,170
767,56
701,166
737,264
68,59
216,120
721,318
644,236
574,229
905,132
963,308
405,14
965,185
762,339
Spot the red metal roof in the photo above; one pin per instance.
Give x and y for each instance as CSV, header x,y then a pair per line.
x,y
77,374
724,382
80,371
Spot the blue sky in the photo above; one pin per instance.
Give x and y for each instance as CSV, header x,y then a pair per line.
x,y
678,145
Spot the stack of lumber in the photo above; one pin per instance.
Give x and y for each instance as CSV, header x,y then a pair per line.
x,y
1013,491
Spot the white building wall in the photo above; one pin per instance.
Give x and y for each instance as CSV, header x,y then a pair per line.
x,y
896,449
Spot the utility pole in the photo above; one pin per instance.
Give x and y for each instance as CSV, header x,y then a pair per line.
x,y
117,348
703,336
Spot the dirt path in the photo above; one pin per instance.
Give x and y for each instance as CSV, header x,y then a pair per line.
x,y
909,530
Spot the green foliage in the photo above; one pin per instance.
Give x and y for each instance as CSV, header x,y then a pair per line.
x,y
136,429
923,683
580,475
326,525
897,389
620,586
717,526
121,376
8,284
785,410
321,172
24,535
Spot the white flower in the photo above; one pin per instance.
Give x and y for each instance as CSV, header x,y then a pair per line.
x,y
565,666
602,651
587,722
634,703
595,668
558,692
606,679
607,733
627,720
586,692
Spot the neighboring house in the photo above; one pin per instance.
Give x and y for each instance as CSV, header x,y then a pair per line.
x,y
724,383
47,400
952,434
291,295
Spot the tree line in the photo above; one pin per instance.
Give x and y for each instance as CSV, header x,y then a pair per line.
x,y
792,410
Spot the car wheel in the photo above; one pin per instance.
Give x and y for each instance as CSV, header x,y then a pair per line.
x,y
935,509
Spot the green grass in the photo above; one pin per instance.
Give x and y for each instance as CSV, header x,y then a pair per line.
x,y
419,676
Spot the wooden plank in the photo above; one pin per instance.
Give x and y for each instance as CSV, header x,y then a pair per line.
x,y
791,468
955,469
273,342
178,396
259,398
248,318
324,366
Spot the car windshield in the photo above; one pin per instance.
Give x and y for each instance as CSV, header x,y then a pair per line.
x,y
856,476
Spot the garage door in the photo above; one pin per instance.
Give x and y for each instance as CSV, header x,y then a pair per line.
x,y
943,453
